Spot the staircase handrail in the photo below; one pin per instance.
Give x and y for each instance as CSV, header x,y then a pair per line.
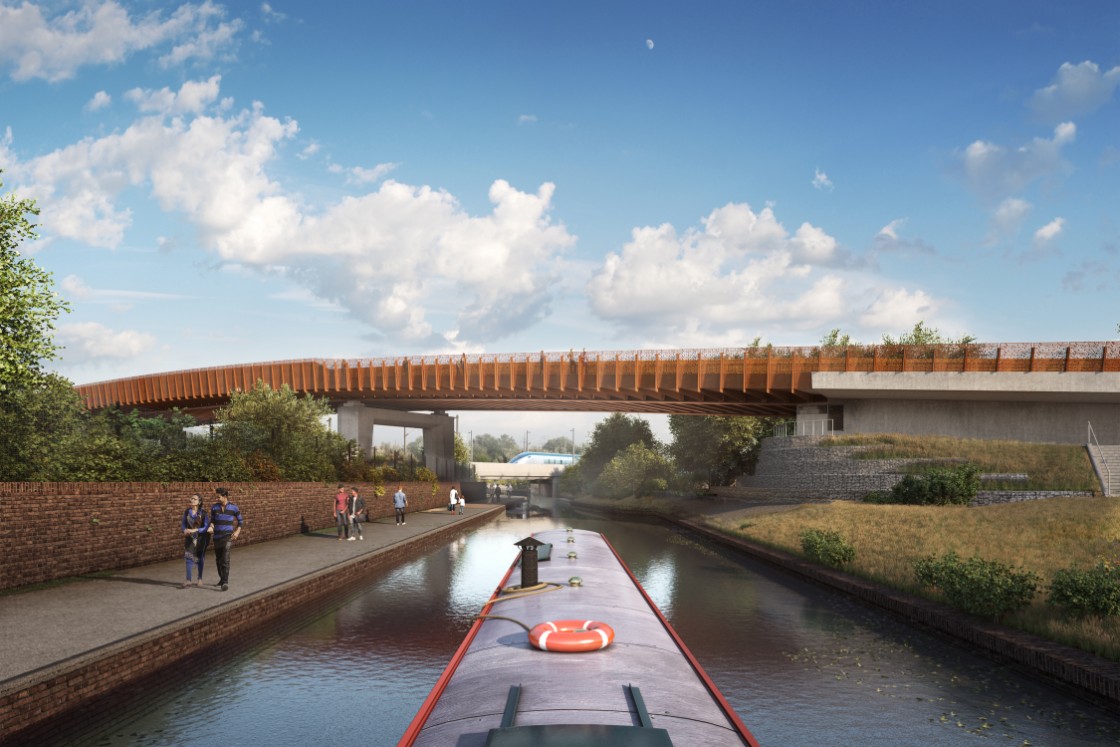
x,y
1101,461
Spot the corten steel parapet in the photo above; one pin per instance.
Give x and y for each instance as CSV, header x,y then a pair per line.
x,y
766,381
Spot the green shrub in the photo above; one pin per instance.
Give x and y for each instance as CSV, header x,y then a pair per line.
x,y
936,486
985,588
827,547
1087,592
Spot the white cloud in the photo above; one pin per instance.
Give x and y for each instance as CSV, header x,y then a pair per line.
x,y
737,275
191,98
527,119
996,171
1077,90
1049,232
898,308
362,175
890,231
821,180
311,149
100,100
272,15
91,342
103,33
1008,218
407,260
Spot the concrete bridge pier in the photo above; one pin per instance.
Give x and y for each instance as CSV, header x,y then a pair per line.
x,y
356,422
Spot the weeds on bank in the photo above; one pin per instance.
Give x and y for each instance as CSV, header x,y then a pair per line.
x,y
1044,537
1047,466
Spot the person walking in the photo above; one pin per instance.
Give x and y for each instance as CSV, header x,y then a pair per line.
x,y
342,512
355,505
462,503
454,500
400,500
225,517
195,526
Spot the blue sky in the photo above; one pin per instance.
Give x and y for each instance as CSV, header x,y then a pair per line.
x,y
226,183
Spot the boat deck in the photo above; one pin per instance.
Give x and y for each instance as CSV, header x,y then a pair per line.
x,y
590,688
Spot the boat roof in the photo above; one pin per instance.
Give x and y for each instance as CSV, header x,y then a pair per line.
x,y
644,686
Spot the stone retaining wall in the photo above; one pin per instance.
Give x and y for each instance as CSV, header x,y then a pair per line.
x,y
40,708
52,530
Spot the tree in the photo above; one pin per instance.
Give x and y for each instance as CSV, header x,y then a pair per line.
x,y
43,423
923,335
611,436
714,450
836,339
488,448
558,445
281,435
462,453
28,303
636,470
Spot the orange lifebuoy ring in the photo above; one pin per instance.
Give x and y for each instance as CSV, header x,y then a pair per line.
x,y
571,636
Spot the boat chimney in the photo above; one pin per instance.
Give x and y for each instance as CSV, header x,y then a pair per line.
x,y
529,547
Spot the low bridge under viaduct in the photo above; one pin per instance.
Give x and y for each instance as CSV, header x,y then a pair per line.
x,y
1048,392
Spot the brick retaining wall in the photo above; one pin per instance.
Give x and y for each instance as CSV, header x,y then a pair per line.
x,y
52,530
45,706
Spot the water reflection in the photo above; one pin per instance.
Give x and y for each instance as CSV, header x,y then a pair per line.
x,y
802,666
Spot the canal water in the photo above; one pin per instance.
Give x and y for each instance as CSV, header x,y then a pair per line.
x,y
801,665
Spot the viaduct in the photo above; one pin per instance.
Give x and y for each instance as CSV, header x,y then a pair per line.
x,y
1046,392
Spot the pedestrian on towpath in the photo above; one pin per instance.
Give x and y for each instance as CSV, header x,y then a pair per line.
x,y
355,505
400,500
225,517
454,500
462,503
195,526
342,512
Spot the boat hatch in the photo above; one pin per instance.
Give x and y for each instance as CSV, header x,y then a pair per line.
x,y
577,735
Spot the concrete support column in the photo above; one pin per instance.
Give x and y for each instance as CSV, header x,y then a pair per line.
x,y
356,422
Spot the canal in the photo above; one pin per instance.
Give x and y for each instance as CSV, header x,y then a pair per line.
x,y
800,664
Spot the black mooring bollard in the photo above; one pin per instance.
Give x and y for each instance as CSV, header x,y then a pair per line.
x,y
529,547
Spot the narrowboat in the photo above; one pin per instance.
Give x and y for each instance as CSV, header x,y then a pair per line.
x,y
573,652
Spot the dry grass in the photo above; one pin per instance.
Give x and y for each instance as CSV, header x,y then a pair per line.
x,y
1042,536
1048,466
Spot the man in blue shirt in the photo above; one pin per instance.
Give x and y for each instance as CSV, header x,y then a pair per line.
x,y
400,500
225,517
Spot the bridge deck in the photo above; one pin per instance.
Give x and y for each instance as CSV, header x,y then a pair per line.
x,y
750,381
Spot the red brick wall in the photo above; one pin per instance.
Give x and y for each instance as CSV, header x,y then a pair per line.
x,y
54,530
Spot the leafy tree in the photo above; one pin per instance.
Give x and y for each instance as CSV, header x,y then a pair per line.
x,y
281,435
611,436
836,339
923,335
558,445
462,453
43,423
28,303
714,450
488,448
636,470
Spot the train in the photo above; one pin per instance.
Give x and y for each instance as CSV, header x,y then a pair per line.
x,y
544,457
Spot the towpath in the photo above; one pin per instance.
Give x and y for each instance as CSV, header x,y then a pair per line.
x,y
53,632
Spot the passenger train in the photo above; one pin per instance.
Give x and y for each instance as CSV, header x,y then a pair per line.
x,y
543,457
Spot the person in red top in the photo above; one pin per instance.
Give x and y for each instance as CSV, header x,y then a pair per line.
x,y
342,512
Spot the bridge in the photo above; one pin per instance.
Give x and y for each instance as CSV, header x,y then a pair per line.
x,y
1023,391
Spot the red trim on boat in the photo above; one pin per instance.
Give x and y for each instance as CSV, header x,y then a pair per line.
x,y
429,704
744,732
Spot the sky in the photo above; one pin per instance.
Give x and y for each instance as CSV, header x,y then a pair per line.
x,y
225,183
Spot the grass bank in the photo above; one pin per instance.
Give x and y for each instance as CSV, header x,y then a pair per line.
x,y
1042,536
